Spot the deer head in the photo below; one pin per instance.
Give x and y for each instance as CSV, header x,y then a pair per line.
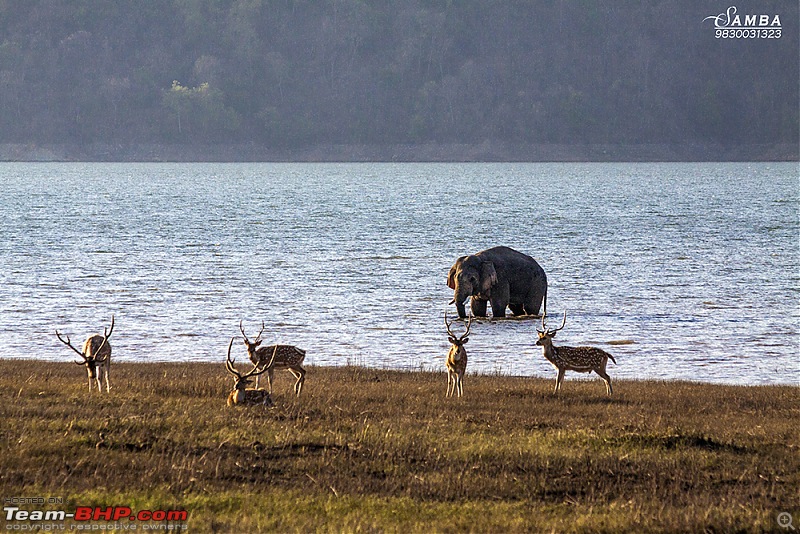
x,y
545,334
241,380
94,355
252,345
457,341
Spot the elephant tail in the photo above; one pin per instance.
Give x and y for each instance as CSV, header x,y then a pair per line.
x,y
544,301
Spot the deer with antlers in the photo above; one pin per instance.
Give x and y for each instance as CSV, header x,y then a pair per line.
x,y
456,362
286,357
95,355
241,395
580,359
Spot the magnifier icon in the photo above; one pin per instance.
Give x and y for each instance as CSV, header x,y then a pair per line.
x,y
785,520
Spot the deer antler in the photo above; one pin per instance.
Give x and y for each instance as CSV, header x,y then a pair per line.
x,y
469,325
447,325
229,363
241,329
551,332
258,337
106,335
67,343
450,332
563,322
231,369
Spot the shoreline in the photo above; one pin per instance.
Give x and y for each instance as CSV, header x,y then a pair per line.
x,y
412,370
417,153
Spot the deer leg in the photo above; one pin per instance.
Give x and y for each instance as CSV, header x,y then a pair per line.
x,y
302,381
269,380
460,385
559,379
300,374
607,378
108,384
450,383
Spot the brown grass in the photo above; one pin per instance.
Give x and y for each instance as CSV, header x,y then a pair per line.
x,y
377,450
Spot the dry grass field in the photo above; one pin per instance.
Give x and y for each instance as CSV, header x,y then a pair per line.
x,y
369,450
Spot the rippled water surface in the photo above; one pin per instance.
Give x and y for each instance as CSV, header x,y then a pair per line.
x,y
682,271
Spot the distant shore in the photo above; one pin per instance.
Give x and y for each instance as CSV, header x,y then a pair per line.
x,y
425,152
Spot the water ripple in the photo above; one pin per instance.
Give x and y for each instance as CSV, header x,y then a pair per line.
x,y
677,269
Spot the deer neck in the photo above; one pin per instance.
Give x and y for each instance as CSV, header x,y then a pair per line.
x,y
549,350
456,353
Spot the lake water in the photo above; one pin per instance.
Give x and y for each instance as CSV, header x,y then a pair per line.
x,y
681,271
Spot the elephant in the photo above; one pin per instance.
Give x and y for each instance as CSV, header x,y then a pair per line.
x,y
499,275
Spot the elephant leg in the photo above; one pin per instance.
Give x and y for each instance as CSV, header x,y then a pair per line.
x,y
533,306
478,307
517,309
499,307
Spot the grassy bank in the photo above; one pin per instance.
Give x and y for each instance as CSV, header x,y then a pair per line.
x,y
374,450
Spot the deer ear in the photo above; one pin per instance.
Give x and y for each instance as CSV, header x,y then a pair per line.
x,y
488,276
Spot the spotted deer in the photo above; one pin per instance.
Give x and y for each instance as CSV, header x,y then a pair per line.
x,y
286,357
95,356
456,362
241,395
580,359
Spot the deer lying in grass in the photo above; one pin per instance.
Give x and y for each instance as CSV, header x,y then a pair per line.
x,y
580,359
241,394
96,356
456,362
282,357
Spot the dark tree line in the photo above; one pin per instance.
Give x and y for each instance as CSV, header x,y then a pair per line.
x,y
305,72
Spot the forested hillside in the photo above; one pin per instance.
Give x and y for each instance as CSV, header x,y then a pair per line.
x,y
302,73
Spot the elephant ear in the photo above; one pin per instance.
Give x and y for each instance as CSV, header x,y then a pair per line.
x,y
488,276
451,276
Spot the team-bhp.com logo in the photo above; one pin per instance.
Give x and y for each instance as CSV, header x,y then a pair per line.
x,y
86,518
732,25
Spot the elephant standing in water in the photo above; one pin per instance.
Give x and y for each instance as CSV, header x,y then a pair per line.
x,y
499,275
